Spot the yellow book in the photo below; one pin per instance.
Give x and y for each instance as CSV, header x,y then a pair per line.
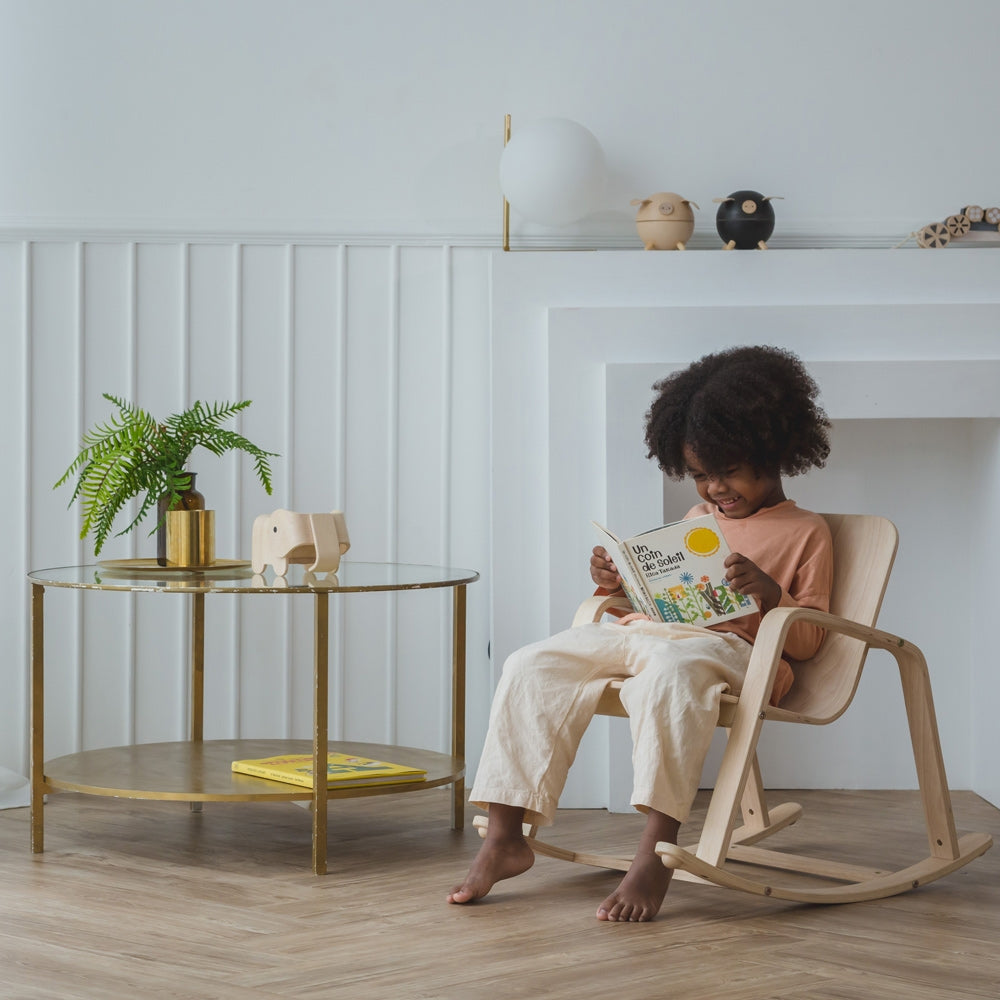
x,y
342,770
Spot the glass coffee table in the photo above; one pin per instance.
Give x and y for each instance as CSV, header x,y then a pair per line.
x,y
198,770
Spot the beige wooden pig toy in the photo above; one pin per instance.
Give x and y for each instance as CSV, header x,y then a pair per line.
x,y
316,541
664,221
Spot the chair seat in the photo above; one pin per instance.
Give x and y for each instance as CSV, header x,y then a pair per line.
x,y
611,704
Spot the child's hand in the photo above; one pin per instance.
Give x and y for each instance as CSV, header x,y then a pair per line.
x,y
603,571
746,577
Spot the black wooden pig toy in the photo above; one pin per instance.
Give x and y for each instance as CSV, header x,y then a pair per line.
x,y
745,220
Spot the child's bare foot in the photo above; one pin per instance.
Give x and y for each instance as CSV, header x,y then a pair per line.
x,y
498,858
640,894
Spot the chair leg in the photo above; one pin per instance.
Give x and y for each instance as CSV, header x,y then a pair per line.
x,y
753,804
929,760
758,820
738,769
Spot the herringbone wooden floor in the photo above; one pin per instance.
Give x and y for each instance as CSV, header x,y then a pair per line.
x,y
149,900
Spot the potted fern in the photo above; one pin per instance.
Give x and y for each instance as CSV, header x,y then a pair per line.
x,y
134,455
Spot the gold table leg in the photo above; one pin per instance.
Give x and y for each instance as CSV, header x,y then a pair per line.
x,y
321,733
197,719
38,787
458,702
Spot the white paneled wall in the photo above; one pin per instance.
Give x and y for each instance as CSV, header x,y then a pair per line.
x,y
367,365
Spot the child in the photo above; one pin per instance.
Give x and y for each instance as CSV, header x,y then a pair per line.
x,y
735,422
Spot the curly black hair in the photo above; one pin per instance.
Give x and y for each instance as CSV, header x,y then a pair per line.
x,y
745,404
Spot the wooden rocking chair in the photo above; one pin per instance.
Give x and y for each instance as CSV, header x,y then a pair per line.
x,y
864,549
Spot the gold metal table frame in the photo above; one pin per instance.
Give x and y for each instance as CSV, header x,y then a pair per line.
x,y
197,770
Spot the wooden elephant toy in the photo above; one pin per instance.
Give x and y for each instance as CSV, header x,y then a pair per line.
x,y
283,537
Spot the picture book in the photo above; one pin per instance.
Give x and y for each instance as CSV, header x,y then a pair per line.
x,y
675,573
342,770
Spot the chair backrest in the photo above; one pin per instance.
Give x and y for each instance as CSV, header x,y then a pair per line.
x,y
864,547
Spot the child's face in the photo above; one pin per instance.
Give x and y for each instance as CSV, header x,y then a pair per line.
x,y
738,490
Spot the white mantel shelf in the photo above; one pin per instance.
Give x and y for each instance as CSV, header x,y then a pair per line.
x,y
749,276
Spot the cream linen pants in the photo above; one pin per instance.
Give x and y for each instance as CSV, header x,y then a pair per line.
x,y
673,679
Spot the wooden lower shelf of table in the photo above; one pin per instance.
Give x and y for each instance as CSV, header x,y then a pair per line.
x,y
202,772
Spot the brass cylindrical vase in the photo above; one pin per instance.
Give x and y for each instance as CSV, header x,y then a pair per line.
x,y
190,538
187,499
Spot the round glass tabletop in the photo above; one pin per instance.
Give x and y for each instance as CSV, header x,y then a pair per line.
x,y
232,576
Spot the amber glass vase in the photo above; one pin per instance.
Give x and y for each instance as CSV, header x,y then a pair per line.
x,y
190,499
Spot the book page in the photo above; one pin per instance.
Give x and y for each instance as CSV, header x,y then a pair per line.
x,y
632,580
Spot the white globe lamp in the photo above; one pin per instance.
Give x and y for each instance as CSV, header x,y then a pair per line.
x,y
552,171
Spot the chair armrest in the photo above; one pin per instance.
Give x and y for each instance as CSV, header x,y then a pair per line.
x,y
770,642
594,608
783,618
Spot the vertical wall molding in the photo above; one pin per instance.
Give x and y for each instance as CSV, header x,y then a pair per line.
x,y
236,350
289,451
185,322
446,445
339,379
184,319
290,368
392,493
79,363
132,341
447,401
26,321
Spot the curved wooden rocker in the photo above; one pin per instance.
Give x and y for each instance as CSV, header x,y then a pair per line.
x,y
864,550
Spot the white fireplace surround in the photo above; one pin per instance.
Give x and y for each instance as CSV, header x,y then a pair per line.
x,y
905,346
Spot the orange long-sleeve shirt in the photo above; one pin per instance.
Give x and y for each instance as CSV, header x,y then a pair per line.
x,y
793,546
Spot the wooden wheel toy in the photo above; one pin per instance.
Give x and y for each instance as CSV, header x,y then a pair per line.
x,y
934,235
957,225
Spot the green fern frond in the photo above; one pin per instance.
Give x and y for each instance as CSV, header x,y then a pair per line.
x,y
131,455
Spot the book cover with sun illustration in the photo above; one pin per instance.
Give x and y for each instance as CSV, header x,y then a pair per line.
x,y
676,574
